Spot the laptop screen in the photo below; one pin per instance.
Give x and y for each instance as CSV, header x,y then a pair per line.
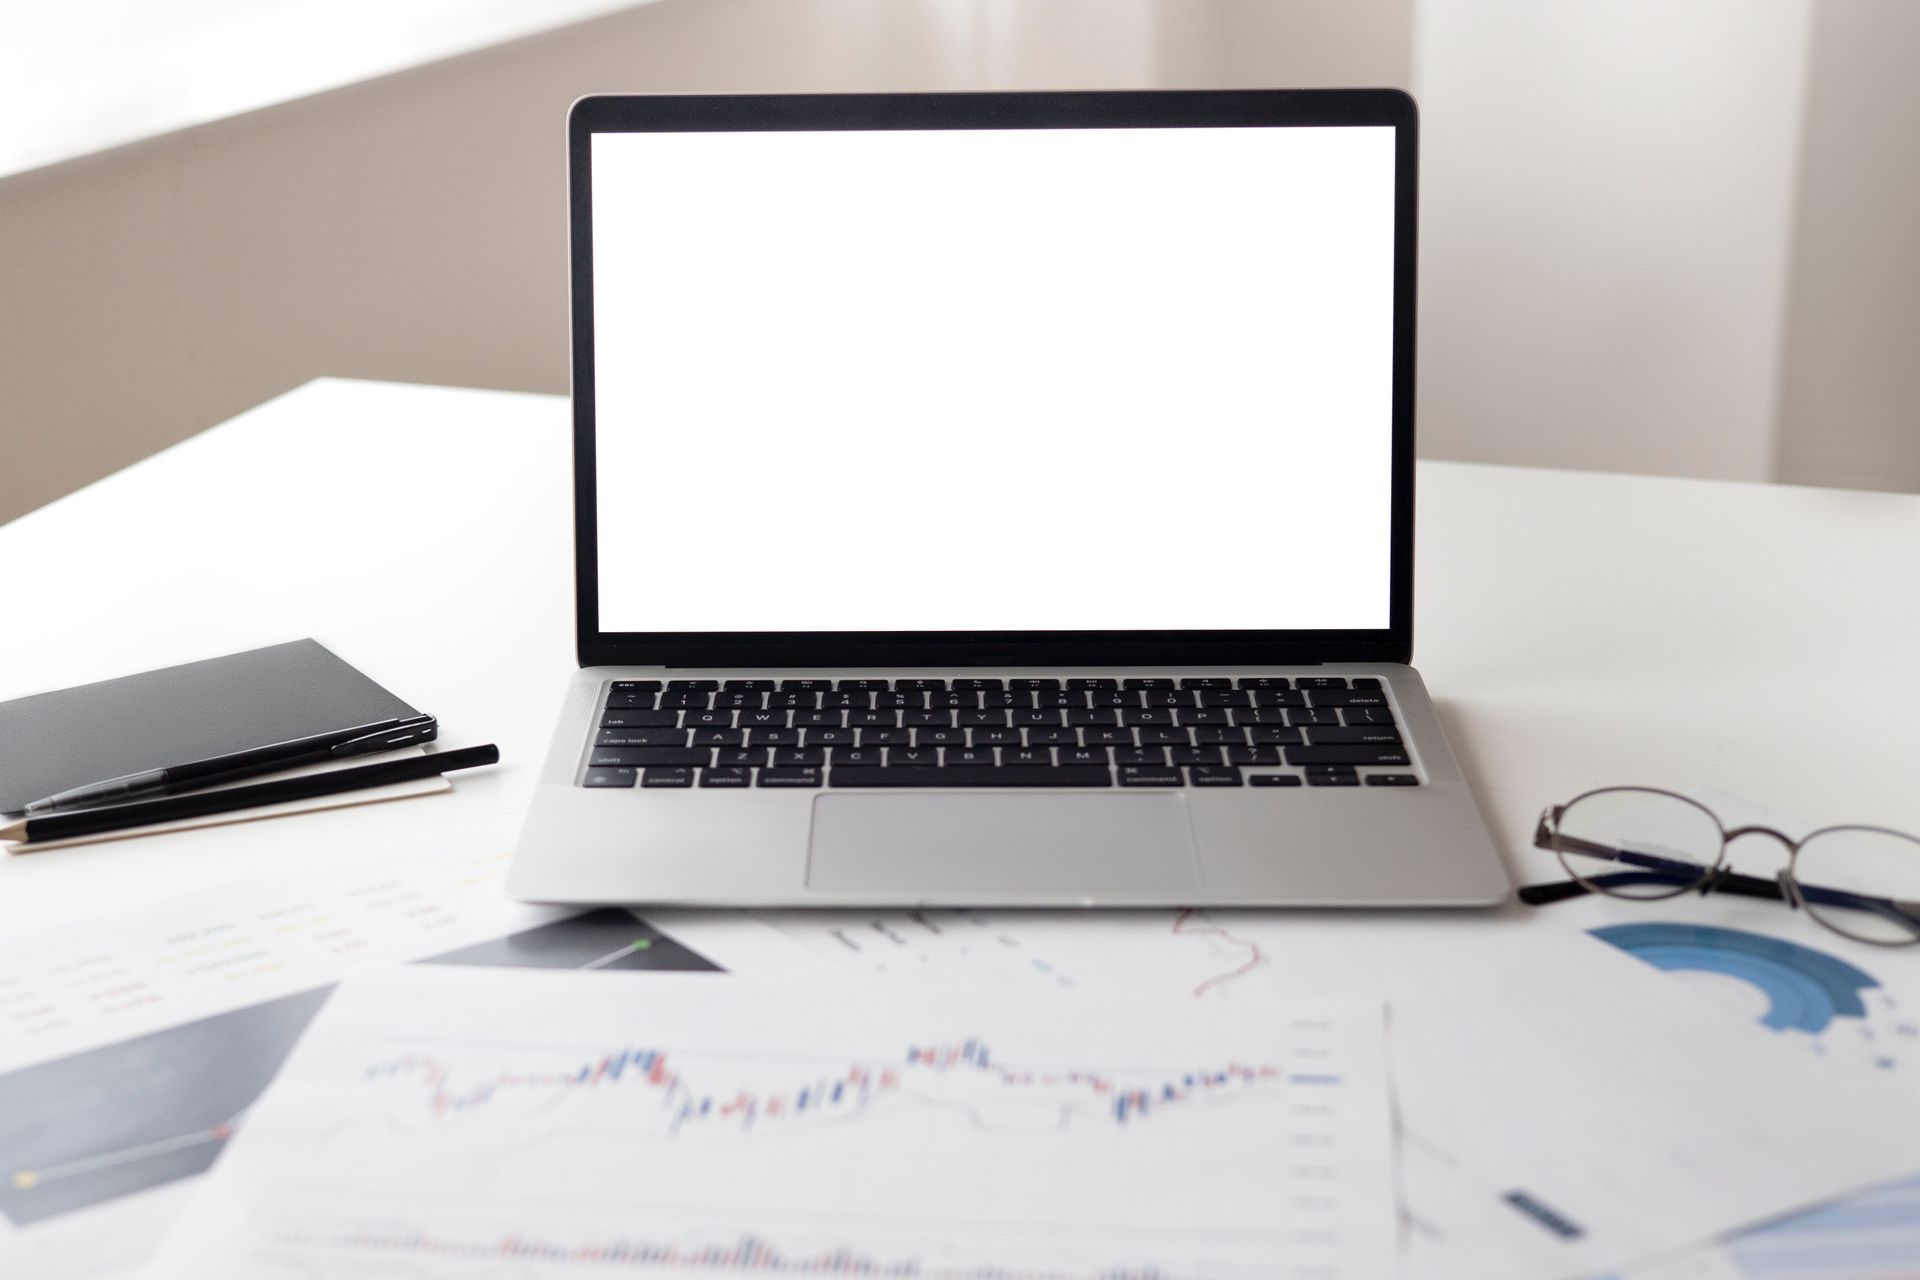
x,y
1115,379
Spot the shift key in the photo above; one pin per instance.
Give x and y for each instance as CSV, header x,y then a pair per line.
x,y
1346,755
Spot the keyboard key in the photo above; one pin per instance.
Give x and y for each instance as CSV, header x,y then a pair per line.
x,y
1210,776
973,776
1051,738
1253,755
735,757
1297,716
1107,737
1023,719
671,756
846,701
1026,756
718,738
640,738
922,685
886,737
1146,715
874,719
988,737
738,699
1149,776
794,701
1140,755
658,777
683,700
1274,779
785,757
1195,755
1347,698
997,719
1365,682
819,719
1320,682
1121,698
790,777
1279,698
1216,735
611,758
980,684
1092,682
1161,736
1259,715
639,719
954,700
926,719
827,736
693,686
1148,682
970,756
748,686
726,777
913,757
1172,698
1225,698
806,686
855,755
899,701
773,737
1367,715
1082,718
1333,780
1346,755
769,719
1206,682
936,736
1265,682
1202,715
1274,735
698,719
631,701
636,686
1392,780
1328,735
609,778
1033,684
862,686
1083,755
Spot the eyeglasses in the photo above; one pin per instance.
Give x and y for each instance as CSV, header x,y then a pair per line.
x,y
1645,844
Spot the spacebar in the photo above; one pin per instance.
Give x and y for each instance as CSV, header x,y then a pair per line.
x,y
979,775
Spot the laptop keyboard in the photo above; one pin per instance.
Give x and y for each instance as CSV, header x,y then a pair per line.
x,y
989,732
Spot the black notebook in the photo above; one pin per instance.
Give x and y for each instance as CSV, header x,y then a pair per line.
x,y
53,741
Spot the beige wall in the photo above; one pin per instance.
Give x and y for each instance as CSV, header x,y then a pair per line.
x,y
1631,258
413,228
1850,365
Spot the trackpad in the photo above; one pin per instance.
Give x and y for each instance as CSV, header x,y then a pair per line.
x,y
1066,844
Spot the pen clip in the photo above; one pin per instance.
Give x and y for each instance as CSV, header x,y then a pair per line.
x,y
422,728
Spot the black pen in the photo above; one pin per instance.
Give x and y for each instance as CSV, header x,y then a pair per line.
x,y
141,813
380,735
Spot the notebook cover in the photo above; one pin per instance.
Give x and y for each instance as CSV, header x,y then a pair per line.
x,y
52,741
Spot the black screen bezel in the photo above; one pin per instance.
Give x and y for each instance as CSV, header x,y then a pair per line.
x,y
1102,109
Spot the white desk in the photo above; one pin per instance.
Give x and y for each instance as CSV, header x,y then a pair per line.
x,y
1575,629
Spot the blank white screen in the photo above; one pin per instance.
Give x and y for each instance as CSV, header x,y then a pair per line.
x,y
1108,379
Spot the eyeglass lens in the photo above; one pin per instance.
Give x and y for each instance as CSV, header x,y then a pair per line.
x,y
1633,842
1863,882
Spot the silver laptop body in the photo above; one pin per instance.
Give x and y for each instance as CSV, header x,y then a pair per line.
x,y
997,499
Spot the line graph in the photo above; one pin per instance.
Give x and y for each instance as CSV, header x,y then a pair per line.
x,y
847,1090
741,1251
181,1093
1190,922
439,1122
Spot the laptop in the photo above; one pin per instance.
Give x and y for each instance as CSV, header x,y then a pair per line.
x,y
997,499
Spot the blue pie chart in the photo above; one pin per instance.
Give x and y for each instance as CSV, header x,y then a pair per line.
x,y
1805,989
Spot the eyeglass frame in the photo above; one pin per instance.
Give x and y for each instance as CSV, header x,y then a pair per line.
x,y
1716,877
